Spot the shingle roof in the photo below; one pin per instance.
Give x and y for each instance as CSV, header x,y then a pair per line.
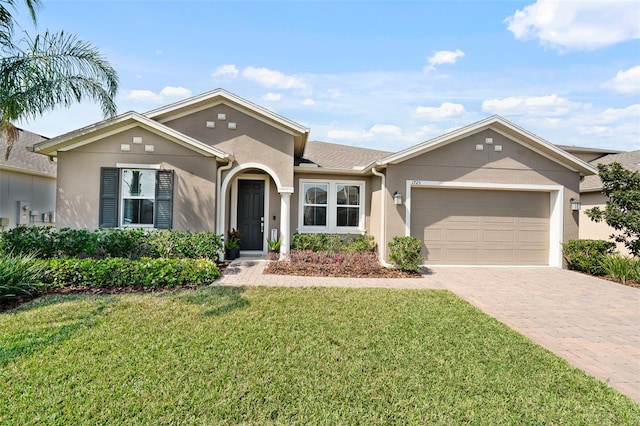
x,y
335,156
23,160
629,160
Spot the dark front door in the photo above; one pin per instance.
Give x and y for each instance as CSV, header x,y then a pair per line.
x,y
251,214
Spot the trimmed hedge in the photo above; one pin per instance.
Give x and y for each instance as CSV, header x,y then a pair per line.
x,y
131,243
333,243
121,272
587,255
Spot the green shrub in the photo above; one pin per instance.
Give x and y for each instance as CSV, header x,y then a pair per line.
x,y
620,267
406,253
132,243
185,244
587,255
333,243
317,242
39,241
75,242
360,244
121,272
20,276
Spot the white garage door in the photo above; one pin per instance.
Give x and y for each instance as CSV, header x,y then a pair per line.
x,y
480,227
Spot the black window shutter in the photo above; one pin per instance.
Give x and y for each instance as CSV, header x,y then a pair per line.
x,y
109,182
164,199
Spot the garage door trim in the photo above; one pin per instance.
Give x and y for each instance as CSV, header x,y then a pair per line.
x,y
556,213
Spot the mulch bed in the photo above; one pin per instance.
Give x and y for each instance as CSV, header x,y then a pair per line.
x,y
323,270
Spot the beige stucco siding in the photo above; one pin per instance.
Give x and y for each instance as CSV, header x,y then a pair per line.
x,y
79,179
590,230
37,192
252,141
459,161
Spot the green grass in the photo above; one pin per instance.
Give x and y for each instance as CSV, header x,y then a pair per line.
x,y
285,356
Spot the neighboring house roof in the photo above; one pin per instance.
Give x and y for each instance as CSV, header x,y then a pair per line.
x,y
325,155
629,160
23,161
583,149
118,124
504,127
220,96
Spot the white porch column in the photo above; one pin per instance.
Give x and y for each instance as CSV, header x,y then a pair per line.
x,y
285,221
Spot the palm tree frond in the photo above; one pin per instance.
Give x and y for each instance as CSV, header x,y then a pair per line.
x,y
55,69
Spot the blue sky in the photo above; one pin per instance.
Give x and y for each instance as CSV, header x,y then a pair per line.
x,y
384,75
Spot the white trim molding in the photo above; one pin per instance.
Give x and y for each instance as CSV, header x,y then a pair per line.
x,y
556,206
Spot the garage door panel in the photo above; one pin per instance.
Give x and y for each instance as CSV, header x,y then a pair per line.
x,y
497,256
482,226
495,235
462,235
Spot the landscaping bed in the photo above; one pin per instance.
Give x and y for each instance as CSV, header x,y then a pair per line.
x,y
323,270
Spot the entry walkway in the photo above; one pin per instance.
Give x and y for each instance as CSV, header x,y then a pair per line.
x,y
592,323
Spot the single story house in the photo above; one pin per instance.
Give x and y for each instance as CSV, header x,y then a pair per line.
x,y
591,196
27,184
490,193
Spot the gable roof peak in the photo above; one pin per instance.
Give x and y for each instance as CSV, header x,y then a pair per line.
x,y
507,129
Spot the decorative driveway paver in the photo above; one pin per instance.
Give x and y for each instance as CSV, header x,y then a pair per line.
x,y
592,323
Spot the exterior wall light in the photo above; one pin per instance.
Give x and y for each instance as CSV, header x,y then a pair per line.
x,y
575,204
397,198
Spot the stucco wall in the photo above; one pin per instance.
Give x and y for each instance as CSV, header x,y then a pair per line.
x,y
38,193
596,230
252,141
460,162
79,179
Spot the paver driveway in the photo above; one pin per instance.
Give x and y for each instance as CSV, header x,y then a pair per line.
x,y
592,323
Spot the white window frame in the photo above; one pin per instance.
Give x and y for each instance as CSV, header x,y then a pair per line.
x,y
122,198
332,207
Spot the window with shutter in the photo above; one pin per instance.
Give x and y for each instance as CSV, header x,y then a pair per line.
x,y
136,198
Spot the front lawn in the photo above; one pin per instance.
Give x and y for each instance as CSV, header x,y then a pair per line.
x,y
223,355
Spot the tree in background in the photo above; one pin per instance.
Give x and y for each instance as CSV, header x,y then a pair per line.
x,y
41,73
622,211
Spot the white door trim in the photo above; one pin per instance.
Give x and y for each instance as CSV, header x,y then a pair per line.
x,y
556,206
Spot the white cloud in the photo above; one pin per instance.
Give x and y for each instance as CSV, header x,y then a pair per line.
x,y
625,81
577,25
272,97
143,96
611,115
175,92
159,52
385,129
551,105
443,57
227,70
272,79
308,102
167,94
348,135
444,112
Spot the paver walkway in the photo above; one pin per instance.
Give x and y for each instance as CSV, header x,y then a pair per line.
x,y
592,323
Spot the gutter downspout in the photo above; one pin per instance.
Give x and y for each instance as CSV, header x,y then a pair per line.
x,y
383,216
219,218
